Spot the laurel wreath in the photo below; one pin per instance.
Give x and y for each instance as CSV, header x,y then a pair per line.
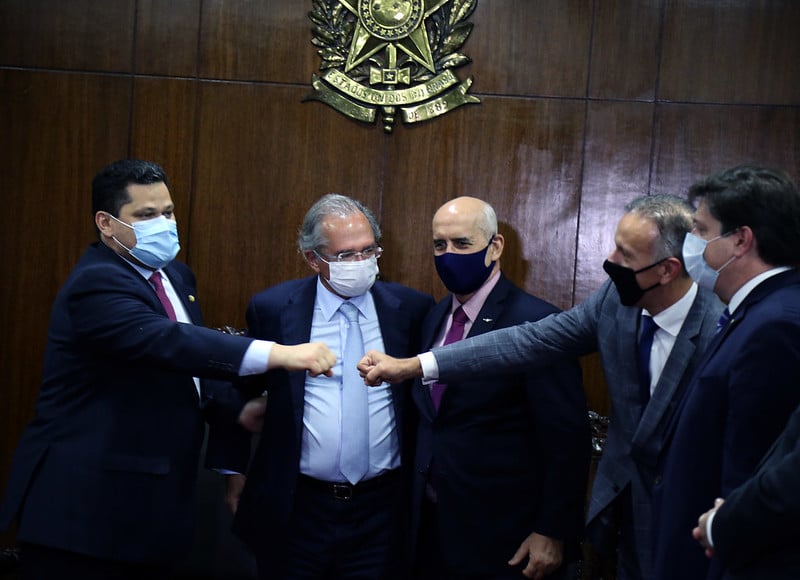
x,y
447,28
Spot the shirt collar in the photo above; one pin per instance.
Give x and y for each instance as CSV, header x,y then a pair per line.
x,y
671,318
472,307
329,302
739,296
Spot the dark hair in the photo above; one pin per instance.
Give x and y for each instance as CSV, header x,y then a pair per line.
x,y
765,200
109,186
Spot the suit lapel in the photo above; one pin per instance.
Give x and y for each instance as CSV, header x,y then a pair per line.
x,y
186,294
296,320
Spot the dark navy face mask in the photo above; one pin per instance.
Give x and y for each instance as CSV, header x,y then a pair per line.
x,y
464,273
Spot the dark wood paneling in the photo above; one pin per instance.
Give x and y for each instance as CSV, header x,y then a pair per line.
x,y
78,34
738,51
263,158
693,141
616,170
167,34
521,155
519,47
162,130
625,55
58,131
257,41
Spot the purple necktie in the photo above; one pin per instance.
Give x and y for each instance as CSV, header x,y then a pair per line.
x,y
455,333
155,280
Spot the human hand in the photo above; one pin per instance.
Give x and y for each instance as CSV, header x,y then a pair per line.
x,y
251,416
234,486
699,532
544,555
376,368
314,357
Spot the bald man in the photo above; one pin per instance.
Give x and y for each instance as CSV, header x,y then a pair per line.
x,y
501,462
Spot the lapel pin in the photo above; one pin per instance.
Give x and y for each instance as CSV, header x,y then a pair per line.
x,y
487,319
191,298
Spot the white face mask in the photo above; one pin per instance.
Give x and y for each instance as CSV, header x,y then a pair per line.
x,y
693,249
350,279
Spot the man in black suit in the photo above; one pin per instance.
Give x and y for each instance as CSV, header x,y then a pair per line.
x,y
754,531
303,511
500,473
102,483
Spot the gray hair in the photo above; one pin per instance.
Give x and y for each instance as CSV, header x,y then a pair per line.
x,y
672,216
311,236
488,222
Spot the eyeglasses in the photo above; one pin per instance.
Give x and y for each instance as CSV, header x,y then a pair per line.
x,y
351,256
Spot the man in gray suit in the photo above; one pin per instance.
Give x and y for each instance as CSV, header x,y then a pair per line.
x,y
648,284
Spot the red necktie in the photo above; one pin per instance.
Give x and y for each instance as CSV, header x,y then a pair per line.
x,y
455,333
155,280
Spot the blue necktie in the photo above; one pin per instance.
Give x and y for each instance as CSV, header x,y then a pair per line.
x,y
724,319
354,460
648,331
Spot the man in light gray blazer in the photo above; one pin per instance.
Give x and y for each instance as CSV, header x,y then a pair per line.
x,y
648,281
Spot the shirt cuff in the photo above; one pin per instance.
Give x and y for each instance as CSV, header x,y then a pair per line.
x,y
708,528
430,368
256,358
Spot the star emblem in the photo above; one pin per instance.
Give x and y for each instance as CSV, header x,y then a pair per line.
x,y
392,24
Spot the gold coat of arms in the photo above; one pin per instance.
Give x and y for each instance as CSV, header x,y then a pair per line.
x,y
391,56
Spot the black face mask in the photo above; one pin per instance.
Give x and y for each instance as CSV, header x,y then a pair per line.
x,y
624,279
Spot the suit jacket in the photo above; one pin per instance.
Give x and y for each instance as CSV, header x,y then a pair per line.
x,y
736,406
755,530
107,466
511,450
635,437
284,313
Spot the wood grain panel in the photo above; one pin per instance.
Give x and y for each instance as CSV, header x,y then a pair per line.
x,y
519,47
257,41
616,170
162,130
79,34
263,158
58,131
166,37
693,141
738,51
521,155
625,49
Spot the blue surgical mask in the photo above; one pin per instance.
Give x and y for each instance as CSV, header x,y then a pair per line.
x,y
156,241
464,273
693,249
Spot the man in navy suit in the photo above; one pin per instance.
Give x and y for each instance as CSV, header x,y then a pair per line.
x,y
502,462
102,483
754,531
648,281
745,245
304,511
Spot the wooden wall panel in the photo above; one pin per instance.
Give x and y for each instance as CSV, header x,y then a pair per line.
x,y
79,34
521,155
257,41
58,130
163,130
738,51
693,141
624,55
167,37
263,158
616,170
519,47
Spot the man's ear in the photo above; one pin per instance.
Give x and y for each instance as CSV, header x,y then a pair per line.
x,y
103,222
312,260
498,243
